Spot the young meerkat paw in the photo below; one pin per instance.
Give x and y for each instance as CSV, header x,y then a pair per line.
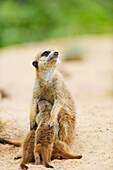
x,y
51,123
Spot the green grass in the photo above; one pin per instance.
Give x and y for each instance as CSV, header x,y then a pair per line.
x,y
24,21
1,124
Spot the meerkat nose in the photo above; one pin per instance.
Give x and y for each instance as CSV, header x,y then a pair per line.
x,y
56,53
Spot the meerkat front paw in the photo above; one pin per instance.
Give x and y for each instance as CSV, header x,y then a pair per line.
x,y
51,124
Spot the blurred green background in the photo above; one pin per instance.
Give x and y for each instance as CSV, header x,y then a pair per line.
x,y
24,21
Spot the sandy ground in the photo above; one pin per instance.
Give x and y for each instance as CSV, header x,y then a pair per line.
x,y
90,82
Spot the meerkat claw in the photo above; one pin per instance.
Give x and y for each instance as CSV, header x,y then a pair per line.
x,y
37,163
50,125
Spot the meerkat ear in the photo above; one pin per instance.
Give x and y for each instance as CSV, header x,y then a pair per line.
x,y
35,64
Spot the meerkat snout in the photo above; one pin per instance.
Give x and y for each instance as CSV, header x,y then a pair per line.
x,y
56,53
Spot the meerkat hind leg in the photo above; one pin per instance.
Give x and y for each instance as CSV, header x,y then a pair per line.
x,y
37,159
45,158
28,147
37,155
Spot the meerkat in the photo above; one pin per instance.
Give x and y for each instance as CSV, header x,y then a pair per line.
x,y
44,137
38,144
50,86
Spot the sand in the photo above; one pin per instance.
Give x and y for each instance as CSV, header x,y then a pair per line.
x,y
90,82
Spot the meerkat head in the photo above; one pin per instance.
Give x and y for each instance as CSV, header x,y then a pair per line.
x,y
46,59
44,106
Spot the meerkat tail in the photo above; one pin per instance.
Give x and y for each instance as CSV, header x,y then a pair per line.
x,y
11,141
45,158
65,155
61,152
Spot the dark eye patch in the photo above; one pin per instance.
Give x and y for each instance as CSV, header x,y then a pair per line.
x,y
45,53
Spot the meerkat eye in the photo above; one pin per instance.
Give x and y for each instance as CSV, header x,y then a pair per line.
x,y
45,53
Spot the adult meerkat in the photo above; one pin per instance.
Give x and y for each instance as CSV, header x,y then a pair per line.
x,y
50,86
38,144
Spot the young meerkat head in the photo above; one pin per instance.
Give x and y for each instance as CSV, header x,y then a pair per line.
x,y
46,59
44,106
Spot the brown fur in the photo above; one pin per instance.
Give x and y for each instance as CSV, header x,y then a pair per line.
x,y
28,149
44,137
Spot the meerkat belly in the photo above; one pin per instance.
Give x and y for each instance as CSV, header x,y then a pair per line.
x,y
47,94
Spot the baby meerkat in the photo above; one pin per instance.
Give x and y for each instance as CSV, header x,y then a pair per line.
x,y
38,144
44,137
